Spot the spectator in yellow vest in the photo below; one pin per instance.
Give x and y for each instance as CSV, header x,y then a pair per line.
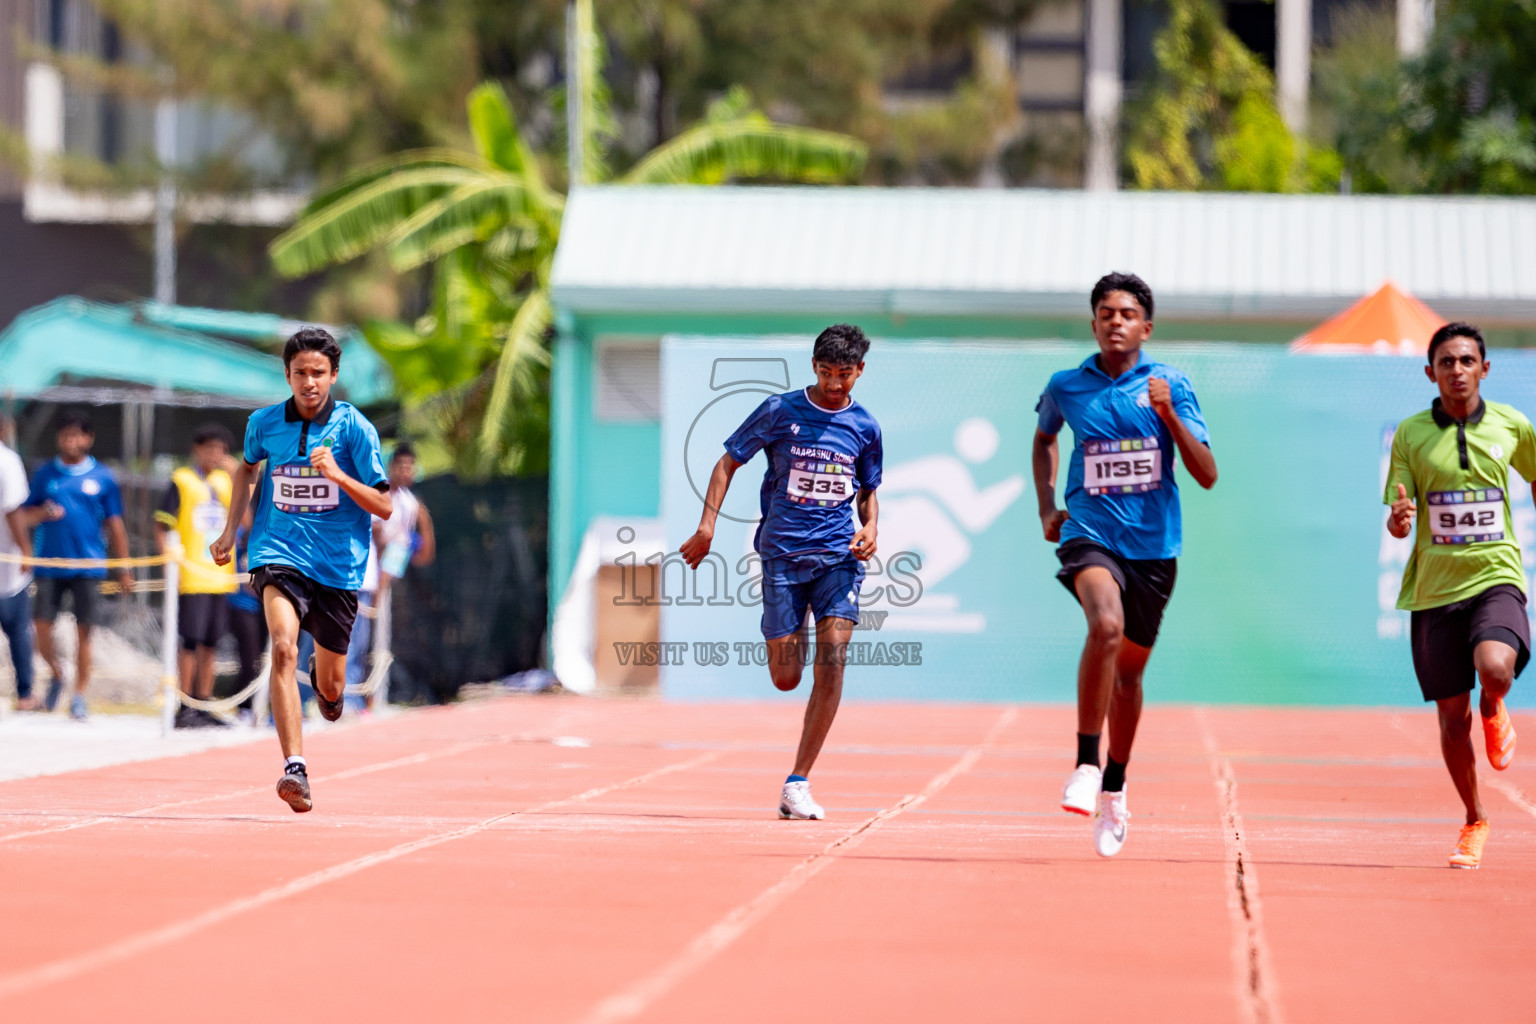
x,y
194,508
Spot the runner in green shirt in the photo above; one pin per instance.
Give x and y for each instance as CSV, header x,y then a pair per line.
x,y
1464,582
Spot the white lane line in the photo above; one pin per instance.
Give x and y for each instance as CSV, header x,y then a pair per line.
x,y
640,996
70,967
1253,967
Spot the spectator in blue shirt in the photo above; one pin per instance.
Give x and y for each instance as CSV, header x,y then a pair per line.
x,y
74,500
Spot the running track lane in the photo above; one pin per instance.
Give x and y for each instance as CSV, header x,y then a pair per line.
x,y
459,866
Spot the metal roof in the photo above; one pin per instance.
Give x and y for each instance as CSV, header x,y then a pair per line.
x,y
165,349
988,252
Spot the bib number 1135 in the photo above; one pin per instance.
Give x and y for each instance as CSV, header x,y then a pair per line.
x,y
1129,466
1466,517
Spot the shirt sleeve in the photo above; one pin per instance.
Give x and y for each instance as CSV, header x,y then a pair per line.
x,y
1188,407
871,461
13,483
1051,419
170,505
754,434
367,456
253,453
111,497
1524,458
1398,471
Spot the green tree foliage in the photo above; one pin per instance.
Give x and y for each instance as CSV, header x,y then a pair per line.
x,y
1359,89
1208,119
1470,106
474,368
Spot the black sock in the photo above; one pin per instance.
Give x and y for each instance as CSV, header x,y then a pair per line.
x,y
1088,748
1114,776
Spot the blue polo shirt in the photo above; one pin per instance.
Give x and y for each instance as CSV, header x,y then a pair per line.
x,y
89,495
301,519
1121,490
818,460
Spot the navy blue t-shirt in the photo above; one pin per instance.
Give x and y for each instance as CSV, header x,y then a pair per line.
x,y
818,460
301,519
89,495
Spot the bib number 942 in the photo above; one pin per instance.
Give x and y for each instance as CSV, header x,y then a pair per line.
x,y
1466,517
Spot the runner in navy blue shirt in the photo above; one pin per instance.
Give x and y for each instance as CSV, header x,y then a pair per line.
x,y
74,500
824,456
1121,531
324,478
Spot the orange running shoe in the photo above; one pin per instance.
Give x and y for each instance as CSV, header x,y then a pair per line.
x,y
1499,734
1469,845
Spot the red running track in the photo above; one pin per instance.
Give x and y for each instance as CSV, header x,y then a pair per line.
x,y
463,865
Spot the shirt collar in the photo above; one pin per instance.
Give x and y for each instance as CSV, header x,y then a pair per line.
x,y
1444,419
291,411
1143,363
80,468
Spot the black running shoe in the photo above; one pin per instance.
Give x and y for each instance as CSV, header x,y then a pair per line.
x,y
293,787
330,710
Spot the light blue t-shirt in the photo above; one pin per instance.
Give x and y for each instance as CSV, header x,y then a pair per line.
x,y
301,519
1121,491
89,495
818,460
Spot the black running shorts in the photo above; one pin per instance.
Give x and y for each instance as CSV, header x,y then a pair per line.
x,y
84,598
202,619
325,613
1444,638
1146,584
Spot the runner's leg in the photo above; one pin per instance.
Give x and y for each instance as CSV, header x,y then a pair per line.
x,y
44,631
1495,664
82,656
204,679
331,670
1099,595
1125,699
786,659
1456,747
287,712
832,635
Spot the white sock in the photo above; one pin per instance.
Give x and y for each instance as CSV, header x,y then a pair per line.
x,y
296,759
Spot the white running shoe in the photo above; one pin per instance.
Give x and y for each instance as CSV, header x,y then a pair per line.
x,y
1081,792
796,802
1112,823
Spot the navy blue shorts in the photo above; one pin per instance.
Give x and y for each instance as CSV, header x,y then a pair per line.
x,y
827,584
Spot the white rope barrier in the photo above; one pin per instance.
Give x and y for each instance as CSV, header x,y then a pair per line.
x,y
258,690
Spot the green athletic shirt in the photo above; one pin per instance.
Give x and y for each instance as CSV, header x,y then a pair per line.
x,y
1464,541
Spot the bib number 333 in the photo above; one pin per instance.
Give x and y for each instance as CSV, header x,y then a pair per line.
x,y
1128,466
1466,517
301,489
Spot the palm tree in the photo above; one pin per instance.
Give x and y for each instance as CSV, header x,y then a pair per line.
x,y
473,369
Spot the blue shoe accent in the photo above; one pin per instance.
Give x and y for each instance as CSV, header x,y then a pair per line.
x,y
55,690
796,778
77,709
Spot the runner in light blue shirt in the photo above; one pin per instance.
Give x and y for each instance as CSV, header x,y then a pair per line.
x,y
1121,530
324,478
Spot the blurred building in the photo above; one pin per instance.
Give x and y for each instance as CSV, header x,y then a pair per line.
x,y
99,240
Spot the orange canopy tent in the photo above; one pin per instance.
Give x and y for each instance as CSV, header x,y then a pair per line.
x,y
1388,322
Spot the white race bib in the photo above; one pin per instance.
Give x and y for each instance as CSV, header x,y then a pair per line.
x,y
1130,466
819,483
301,489
1466,517
208,517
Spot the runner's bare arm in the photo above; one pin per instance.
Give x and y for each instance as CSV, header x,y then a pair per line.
x,y
371,500
1045,460
869,513
1197,458
16,519
696,547
239,501
117,540
1400,519
428,552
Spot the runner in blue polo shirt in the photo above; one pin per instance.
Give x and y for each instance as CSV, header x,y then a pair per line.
x,y
824,455
323,479
1121,531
